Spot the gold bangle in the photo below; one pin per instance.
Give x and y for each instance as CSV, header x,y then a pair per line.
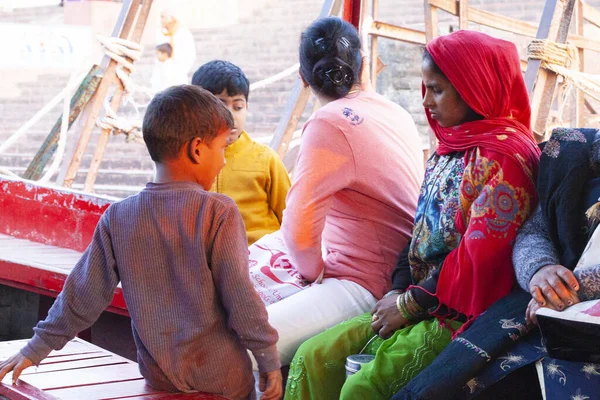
x,y
412,303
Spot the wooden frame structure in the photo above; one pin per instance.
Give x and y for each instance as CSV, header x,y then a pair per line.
x,y
554,25
130,25
541,83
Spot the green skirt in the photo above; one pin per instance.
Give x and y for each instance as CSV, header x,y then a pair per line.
x,y
318,368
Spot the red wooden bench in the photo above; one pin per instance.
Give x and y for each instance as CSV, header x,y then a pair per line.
x,y
80,371
43,232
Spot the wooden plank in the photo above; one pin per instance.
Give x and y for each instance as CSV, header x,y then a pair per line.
x,y
540,82
79,364
115,102
106,390
81,377
463,14
23,391
124,25
590,14
7,349
512,25
177,396
398,33
584,43
75,357
431,21
82,370
74,347
297,101
489,19
111,390
450,6
78,102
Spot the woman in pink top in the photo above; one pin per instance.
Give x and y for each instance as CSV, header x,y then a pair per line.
x,y
351,206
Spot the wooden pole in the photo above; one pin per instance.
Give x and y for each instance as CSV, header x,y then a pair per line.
x,y
540,82
431,21
580,100
296,103
374,49
122,29
115,102
82,96
463,14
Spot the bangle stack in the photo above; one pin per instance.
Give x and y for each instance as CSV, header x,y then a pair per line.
x,y
408,307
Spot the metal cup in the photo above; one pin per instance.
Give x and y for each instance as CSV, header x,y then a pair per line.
x,y
355,361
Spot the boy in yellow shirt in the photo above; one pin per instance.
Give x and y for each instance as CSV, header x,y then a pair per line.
x,y
254,176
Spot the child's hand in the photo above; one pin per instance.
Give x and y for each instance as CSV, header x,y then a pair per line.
x,y
271,384
17,364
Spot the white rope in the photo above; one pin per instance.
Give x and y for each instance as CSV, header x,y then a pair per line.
x,y
275,78
7,172
117,49
64,130
33,120
563,60
132,129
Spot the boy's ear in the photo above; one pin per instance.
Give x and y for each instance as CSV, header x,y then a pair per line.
x,y
194,150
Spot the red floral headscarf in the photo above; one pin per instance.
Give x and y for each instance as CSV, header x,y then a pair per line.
x,y
486,73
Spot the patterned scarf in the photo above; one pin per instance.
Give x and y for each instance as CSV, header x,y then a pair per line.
x,y
564,184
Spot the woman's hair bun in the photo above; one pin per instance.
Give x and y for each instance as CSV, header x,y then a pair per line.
x,y
334,77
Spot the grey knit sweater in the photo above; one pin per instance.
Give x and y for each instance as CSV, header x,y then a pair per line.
x,y
533,250
181,256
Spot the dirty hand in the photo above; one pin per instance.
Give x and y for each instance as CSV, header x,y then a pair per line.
x,y
17,364
271,384
554,286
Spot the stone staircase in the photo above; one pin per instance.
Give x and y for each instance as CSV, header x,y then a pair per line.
x,y
262,44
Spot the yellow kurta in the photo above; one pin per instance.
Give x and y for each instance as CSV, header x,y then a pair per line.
x,y
255,178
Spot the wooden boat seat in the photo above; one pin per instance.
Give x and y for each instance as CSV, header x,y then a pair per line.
x,y
42,268
82,370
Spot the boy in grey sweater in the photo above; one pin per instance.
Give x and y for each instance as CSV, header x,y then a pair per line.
x,y
180,254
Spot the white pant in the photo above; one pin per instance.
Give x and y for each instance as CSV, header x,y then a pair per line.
x,y
313,310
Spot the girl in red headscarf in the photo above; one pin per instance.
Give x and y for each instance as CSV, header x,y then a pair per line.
x,y
478,190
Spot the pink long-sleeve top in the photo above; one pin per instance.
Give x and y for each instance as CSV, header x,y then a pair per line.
x,y
356,187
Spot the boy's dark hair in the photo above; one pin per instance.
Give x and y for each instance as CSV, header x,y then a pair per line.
x,y
179,114
330,58
165,48
216,76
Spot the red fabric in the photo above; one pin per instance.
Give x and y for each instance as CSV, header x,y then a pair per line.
x,y
497,195
486,72
497,190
